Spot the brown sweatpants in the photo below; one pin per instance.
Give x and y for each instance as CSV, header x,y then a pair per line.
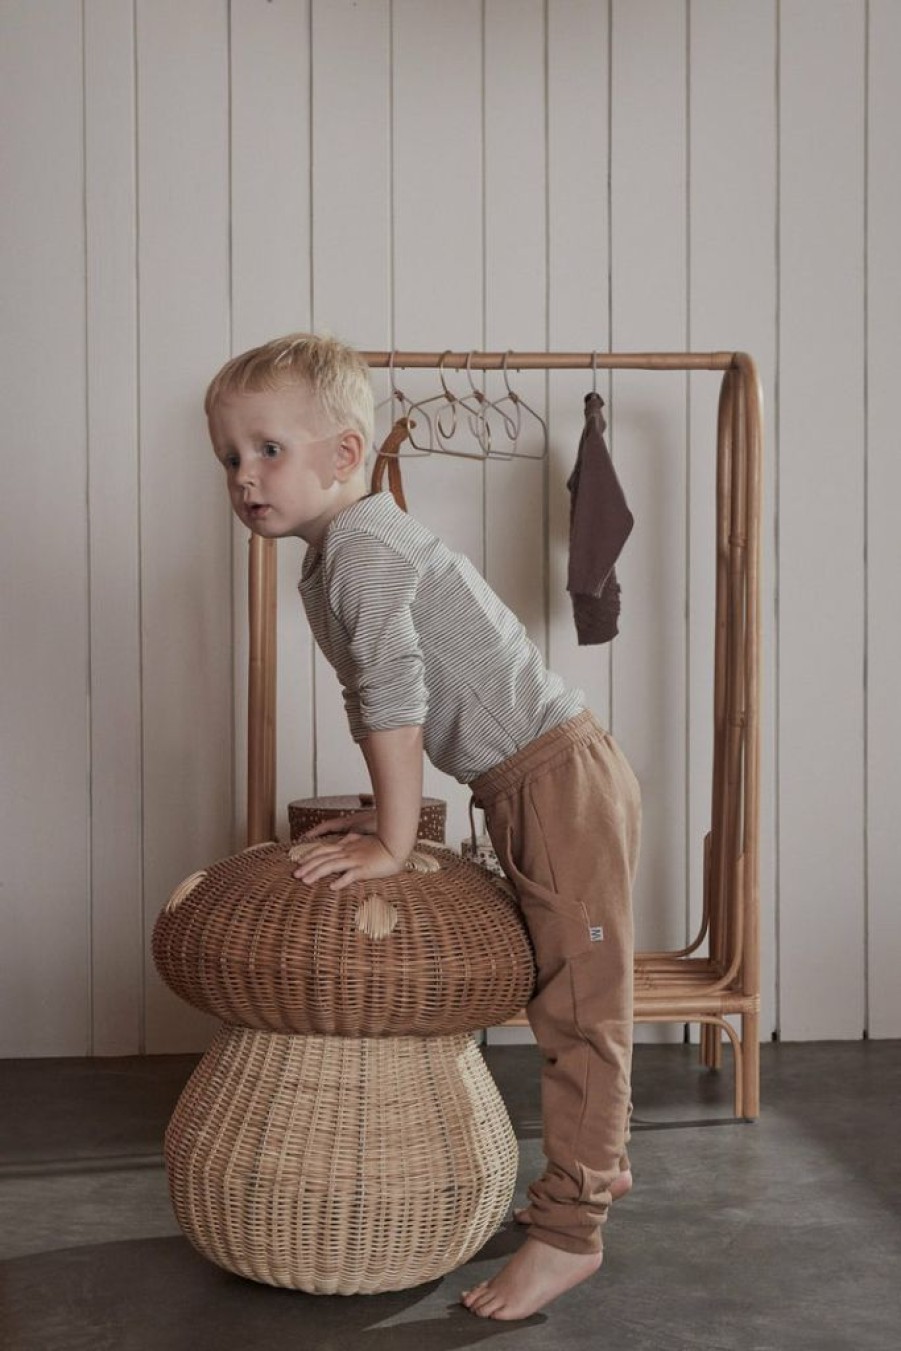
x,y
564,815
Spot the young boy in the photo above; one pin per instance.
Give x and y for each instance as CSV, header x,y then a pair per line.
x,y
431,660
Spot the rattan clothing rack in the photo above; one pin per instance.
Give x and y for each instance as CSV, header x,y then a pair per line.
x,y
685,985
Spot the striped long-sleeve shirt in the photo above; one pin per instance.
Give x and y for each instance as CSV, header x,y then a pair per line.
x,y
418,638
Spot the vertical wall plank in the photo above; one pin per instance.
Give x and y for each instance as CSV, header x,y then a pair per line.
x,y
732,306
821,520
44,959
351,189
117,937
352,170
270,277
648,439
883,540
515,296
438,260
579,294
185,519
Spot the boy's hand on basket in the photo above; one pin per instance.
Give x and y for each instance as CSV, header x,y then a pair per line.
x,y
355,858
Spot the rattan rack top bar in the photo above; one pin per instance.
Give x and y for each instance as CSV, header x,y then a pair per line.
x,y
559,361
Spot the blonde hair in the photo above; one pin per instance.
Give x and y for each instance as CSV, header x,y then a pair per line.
x,y
335,374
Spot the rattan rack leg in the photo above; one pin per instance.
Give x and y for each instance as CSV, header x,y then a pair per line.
x,y
750,1035
711,1047
715,1021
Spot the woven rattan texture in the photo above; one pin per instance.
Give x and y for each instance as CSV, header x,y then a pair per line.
x,y
337,1165
256,946
305,813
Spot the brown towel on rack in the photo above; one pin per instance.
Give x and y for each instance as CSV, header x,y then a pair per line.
x,y
599,525
387,459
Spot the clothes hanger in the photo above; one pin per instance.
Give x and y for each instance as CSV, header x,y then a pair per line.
x,y
444,422
447,428
490,423
478,420
404,413
513,421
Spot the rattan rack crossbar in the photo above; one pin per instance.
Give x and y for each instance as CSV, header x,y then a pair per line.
x,y
669,986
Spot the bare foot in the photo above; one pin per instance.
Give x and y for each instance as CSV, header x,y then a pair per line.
x,y
535,1275
618,1188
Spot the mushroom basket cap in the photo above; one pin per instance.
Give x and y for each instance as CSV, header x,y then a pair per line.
x,y
438,949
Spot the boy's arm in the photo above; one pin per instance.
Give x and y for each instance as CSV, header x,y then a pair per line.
x,y
394,760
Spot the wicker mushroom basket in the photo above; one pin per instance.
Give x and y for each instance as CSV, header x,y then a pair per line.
x,y
342,1134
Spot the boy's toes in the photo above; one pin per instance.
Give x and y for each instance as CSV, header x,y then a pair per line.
x,y
469,1297
487,1303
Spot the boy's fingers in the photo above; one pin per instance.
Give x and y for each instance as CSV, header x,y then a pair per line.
x,y
312,868
333,859
326,854
341,882
352,858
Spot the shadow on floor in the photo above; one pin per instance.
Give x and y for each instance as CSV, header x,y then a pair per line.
x,y
159,1295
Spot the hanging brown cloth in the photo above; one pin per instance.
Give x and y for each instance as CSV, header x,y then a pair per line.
x,y
387,459
599,525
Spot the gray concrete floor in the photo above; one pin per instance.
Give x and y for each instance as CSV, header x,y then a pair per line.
x,y
784,1235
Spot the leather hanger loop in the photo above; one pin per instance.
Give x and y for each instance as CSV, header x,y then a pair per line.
x,y
387,460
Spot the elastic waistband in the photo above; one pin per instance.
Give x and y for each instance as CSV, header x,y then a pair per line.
x,y
509,774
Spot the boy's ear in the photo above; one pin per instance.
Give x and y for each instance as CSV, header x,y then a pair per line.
x,y
350,455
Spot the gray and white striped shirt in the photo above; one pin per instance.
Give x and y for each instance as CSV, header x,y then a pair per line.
x,y
418,638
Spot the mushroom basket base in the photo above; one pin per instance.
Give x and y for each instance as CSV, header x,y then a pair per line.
x,y
340,1165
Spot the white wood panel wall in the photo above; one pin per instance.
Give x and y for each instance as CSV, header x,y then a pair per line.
x,y
183,180
821,518
45,953
114,572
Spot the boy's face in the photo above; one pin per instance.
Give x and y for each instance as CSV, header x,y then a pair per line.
x,y
285,465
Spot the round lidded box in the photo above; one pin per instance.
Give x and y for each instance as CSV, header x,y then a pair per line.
x,y
426,953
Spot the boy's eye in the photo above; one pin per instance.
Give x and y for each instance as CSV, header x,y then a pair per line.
x,y
270,449
230,461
